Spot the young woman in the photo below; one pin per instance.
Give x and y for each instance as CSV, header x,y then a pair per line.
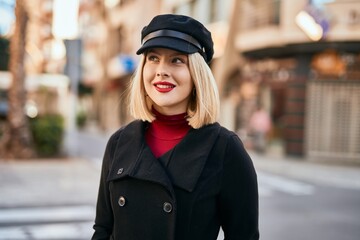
x,y
175,173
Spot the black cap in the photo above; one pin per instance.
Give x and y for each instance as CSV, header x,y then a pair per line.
x,y
177,32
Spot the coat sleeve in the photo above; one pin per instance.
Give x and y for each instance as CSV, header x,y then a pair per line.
x,y
239,194
104,216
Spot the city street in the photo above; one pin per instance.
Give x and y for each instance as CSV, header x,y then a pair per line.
x,y
55,199
284,75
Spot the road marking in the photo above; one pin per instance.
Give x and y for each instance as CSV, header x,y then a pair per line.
x,y
47,214
268,183
62,231
63,222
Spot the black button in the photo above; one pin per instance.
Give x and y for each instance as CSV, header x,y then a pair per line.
x,y
122,201
167,207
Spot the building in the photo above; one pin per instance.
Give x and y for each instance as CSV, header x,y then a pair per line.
x,y
311,86
299,59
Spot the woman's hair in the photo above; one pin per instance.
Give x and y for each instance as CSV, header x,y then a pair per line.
x,y
204,103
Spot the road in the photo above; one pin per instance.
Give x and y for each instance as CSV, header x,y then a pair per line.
x,y
290,208
320,212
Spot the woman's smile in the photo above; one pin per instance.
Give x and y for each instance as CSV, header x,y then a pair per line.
x,y
164,87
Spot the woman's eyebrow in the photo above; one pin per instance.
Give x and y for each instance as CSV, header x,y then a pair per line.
x,y
152,51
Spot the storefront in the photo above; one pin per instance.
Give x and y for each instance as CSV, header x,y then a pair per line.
x,y
333,112
312,94
265,84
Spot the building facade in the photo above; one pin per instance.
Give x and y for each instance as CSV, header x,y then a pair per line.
x,y
267,53
311,86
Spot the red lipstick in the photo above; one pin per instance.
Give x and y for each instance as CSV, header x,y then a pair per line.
x,y
164,87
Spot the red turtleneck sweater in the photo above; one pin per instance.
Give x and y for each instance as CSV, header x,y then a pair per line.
x,y
165,132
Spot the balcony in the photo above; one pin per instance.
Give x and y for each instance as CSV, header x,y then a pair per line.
x,y
272,26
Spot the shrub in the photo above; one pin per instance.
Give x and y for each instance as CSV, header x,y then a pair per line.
x,y
47,132
81,119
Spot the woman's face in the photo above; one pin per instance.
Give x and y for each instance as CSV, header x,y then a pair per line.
x,y
167,80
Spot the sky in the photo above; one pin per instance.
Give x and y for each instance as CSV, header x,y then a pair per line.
x,y
7,15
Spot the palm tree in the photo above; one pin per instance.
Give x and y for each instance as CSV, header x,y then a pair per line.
x,y
16,141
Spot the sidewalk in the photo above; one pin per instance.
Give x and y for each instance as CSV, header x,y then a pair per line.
x,y
48,182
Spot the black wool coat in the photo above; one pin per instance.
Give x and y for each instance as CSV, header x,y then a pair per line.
x,y
206,181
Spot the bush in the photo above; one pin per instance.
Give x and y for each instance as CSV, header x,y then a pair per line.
x,y
47,132
81,119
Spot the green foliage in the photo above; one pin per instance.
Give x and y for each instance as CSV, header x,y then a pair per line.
x,y
47,131
81,118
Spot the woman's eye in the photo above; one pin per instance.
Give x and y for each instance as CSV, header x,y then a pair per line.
x,y
178,60
152,58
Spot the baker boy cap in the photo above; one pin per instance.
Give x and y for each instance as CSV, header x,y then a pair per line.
x,y
177,32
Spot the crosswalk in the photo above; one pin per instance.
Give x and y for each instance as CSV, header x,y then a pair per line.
x,y
41,214
52,231
75,222
47,223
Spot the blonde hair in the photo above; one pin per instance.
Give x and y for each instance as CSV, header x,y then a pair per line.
x,y
204,105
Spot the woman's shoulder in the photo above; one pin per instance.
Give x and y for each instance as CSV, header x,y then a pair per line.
x,y
131,126
122,136
231,139
224,135
131,129
224,132
221,130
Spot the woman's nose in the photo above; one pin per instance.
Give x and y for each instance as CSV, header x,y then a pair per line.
x,y
162,74
162,69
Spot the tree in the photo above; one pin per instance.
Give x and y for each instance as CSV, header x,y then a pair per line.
x,y
16,141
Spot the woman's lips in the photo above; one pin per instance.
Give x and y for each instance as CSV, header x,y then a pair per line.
x,y
164,86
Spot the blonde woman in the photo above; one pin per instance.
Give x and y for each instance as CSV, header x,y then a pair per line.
x,y
175,173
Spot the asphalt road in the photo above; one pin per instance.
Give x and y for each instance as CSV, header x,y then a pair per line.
x,y
325,213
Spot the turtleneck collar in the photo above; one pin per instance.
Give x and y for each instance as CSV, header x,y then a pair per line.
x,y
169,127
165,132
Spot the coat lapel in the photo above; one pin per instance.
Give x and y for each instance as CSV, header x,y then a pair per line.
x,y
133,158
188,158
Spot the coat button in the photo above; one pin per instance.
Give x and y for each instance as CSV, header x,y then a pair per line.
x,y
120,171
122,201
167,207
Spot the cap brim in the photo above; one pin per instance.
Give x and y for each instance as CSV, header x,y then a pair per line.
x,y
168,42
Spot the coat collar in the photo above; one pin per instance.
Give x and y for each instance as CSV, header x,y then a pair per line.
x,y
184,163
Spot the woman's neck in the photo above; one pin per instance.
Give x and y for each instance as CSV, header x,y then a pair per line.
x,y
170,126
166,131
